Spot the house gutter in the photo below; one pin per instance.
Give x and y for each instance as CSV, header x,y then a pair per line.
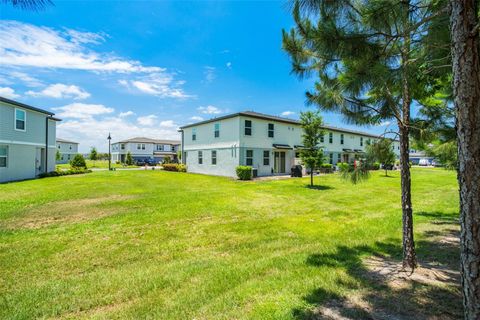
x,y
183,152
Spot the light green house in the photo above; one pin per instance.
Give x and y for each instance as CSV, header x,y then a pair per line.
x,y
27,141
269,144
67,149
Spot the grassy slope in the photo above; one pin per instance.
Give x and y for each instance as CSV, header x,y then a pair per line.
x,y
169,245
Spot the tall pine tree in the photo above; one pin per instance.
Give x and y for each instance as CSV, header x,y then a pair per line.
x,y
465,26
369,57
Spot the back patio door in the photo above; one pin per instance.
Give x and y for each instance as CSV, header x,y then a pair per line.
x,y
279,162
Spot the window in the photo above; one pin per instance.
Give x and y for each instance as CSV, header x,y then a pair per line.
x,y
249,158
20,119
58,146
214,157
3,156
70,146
216,132
361,141
271,130
159,147
339,157
266,158
139,146
200,157
331,158
194,134
248,127
122,146
143,146
341,138
330,137
322,139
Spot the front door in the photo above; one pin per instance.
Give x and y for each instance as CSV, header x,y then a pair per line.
x,y
279,162
345,158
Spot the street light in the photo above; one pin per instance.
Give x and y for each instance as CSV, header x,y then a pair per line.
x,y
109,154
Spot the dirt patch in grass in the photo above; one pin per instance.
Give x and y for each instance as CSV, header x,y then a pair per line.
x,y
66,212
387,291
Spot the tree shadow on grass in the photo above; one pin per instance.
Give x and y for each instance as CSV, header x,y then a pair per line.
x,y
378,288
452,217
318,187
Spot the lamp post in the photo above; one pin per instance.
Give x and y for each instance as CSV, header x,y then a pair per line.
x,y
109,154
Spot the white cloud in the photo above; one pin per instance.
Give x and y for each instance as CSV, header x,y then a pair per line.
x,y
210,110
209,73
147,120
385,124
126,114
61,91
168,124
157,84
82,111
8,93
27,45
229,65
27,79
196,118
287,113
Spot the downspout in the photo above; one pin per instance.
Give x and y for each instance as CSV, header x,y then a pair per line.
x,y
46,144
183,150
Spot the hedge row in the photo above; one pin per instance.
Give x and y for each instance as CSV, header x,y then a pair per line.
x,y
177,167
244,172
63,173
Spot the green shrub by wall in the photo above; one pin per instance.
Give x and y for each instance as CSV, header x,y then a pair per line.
x,y
176,167
244,172
63,173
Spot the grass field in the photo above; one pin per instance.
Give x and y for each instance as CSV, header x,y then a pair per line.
x,y
98,164
165,245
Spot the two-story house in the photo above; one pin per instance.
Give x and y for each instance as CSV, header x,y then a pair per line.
x,y
143,149
27,141
269,144
67,149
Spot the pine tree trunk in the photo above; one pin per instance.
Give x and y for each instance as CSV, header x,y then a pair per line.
x,y
311,177
409,256
466,87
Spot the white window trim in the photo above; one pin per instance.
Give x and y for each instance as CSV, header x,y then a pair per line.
x,y
6,158
212,157
15,120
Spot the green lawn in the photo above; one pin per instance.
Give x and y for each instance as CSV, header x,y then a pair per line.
x,y
98,164
166,245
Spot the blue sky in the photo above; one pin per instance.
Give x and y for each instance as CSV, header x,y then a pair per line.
x,y
140,68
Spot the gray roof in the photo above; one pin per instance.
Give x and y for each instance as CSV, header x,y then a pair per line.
x,y
276,118
149,140
66,141
26,106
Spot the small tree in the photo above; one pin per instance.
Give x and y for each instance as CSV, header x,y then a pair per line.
x,y
312,154
382,151
166,160
93,155
78,162
129,159
58,155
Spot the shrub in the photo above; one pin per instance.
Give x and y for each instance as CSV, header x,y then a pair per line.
x,y
343,166
129,159
326,168
63,173
244,172
78,162
177,167
375,166
167,160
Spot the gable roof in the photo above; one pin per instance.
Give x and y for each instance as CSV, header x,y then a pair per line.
x,y
26,106
263,116
66,141
149,140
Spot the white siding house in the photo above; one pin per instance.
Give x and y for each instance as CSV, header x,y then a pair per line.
x,y
145,149
68,150
269,144
27,141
